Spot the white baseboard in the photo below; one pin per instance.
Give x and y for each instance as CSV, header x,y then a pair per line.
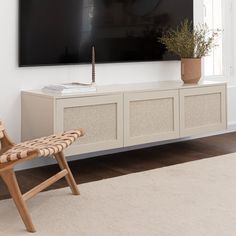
x,y
231,127
50,161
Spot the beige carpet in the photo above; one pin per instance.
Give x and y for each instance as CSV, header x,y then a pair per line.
x,y
196,198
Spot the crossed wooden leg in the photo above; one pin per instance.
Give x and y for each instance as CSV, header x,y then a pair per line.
x,y
69,177
9,177
10,180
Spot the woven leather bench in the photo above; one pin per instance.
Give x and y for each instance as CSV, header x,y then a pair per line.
x,y
12,154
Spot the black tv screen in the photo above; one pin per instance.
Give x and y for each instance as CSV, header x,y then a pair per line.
x,y
54,32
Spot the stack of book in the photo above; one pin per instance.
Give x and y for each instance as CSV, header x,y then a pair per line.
x,y
70,88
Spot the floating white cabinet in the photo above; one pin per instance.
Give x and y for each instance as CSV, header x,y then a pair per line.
x,y
120,116
150,116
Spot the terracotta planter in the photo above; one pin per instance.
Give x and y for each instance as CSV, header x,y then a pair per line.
x,y
191,70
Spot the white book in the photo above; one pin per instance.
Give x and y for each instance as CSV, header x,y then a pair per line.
x,y
70,88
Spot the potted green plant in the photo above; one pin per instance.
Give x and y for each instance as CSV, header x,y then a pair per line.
x,y
191,44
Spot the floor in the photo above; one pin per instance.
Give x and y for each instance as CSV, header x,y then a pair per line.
x,y
129,162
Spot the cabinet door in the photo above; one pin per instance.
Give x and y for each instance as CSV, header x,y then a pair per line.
x,y
150,116
101,118
202,110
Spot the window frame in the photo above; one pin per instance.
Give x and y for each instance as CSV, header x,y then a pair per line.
x,y
226,43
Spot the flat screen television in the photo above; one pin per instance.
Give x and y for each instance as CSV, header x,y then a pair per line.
x,y
58,32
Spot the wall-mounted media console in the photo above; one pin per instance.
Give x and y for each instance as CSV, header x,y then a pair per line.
x,y
56,32
126,115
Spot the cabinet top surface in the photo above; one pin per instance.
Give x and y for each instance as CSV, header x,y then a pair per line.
x,y
119,88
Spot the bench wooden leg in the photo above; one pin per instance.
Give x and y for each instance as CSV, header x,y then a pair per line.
x,y
69,177
10,180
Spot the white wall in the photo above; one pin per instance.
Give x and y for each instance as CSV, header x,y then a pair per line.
x,y
14,79
232,86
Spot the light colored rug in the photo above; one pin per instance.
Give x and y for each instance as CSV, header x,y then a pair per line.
x,y
196,198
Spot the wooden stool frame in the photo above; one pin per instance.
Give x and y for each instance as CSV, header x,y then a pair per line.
x,y
8,175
